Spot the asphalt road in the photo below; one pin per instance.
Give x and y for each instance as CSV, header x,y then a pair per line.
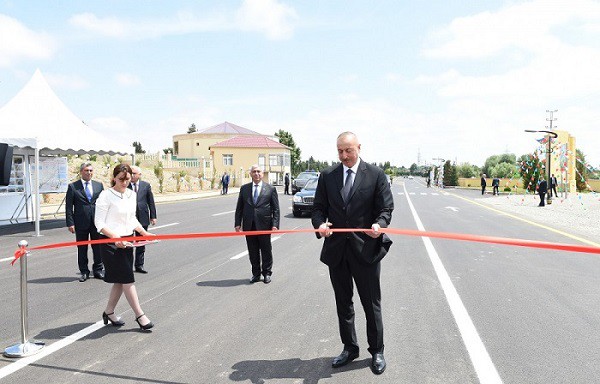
x,y
454,312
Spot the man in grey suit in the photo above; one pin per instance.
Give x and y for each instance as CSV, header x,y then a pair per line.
x,y
145,212
80,207
354,194
258,210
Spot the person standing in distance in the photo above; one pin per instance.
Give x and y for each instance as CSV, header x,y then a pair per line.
x,y
145,213
80,206
542,189
258,210
483,183
286,182
354,194
225,183
553,184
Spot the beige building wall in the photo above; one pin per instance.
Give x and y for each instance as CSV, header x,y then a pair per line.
x,y
244,158
195,145
563,164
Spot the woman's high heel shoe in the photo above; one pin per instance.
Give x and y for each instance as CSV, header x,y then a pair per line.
x,y
116,323
144,327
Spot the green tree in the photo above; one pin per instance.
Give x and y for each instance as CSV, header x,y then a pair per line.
x,y
286,139
138,147
414,169
168,150
503,170
530,170
192,128
582,171
467,170
158,172
450,174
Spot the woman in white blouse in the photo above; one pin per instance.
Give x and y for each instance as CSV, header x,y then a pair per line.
x,y
115,217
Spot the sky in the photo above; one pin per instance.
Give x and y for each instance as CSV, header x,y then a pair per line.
x,y
415,80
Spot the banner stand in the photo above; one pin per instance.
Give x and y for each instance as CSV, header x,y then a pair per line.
x,y
26,347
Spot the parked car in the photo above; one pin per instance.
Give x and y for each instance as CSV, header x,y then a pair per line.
x,y
303,201
300,181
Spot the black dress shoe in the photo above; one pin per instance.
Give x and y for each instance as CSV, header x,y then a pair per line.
x,y
84,277
344,358
99,275
140,270
267,279
378,364
255,279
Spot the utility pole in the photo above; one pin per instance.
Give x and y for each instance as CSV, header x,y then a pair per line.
x,y
548,161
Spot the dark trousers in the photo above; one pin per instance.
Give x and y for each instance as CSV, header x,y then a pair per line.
x,y
140,252
82,251
260,246
483,189
366,277
287,189
542,199
495,190
225,188
553,188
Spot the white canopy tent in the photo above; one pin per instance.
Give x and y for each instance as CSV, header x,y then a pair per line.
x,y
37,120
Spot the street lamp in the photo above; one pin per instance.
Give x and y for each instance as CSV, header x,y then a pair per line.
x,y
549,151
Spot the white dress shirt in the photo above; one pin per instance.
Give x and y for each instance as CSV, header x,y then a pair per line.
x,y
116,211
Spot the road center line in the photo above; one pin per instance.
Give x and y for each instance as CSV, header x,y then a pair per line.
x,y
484,367
223,213
163,226
245,253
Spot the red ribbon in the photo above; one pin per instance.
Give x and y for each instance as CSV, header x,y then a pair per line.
x,y
404,232
18,253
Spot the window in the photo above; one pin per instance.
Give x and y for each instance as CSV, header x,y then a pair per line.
x,y
176,147
17,176
261,162
228,159
273,160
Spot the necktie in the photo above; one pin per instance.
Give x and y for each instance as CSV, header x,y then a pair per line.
x,y
347,185
255,196
88,193
135,187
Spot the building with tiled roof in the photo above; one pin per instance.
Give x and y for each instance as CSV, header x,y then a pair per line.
x,y
237,154
227,147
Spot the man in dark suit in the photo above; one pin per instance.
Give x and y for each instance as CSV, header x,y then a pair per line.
x,y
258,210
553,184
483,183
354,194
286,182
145,212
225,183
542,189
80,207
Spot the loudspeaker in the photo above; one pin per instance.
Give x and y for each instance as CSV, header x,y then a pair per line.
x,y
6,155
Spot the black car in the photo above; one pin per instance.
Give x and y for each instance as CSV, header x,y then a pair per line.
x,y
303,200
300,181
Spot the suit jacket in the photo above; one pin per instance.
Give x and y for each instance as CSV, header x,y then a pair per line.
x,y
146,209
264,215
79,211
553,182
543,187
370,201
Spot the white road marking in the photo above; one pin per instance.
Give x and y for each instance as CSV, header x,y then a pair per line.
x,y
401,193
411,193
223,213
245,253
57,345
435,194
484,367
423,193
452,208
162,226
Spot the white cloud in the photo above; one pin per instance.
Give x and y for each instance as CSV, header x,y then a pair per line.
x,y
17,42
73,82
270,17
127,79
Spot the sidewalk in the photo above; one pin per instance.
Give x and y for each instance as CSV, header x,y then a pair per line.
x,y
579,214
49,210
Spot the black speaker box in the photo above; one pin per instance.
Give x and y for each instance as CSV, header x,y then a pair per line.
x,y
6,155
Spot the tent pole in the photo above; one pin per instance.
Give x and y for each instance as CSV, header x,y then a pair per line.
x,y
36,189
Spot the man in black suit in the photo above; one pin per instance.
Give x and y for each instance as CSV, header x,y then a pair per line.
x,y
258,210
354,194
553,184
80,207
542,189
145,212
286,182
